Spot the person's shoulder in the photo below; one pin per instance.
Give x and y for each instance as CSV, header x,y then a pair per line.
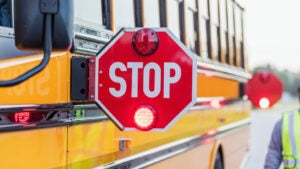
x,y
278,124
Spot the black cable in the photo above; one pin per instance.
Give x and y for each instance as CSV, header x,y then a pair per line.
x,y
43,63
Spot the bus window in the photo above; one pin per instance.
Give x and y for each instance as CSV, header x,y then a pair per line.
x,y
223,14
192,26
123,14
214,14
215,43
90,12
173,15
238,23
5,13
224,47
230,17
224,32
204,29
203,5
243,56
151,13
215,26
239,36
230,28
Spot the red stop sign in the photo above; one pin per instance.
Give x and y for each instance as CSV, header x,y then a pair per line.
x,y
145,91
264,89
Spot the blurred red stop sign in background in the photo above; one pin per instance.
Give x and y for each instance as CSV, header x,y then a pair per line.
x,y
264,89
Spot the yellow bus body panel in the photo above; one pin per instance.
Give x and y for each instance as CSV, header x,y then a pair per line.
x,y
95,144
196,158
50,86
92,144
235,147
40,148
208,86
202,157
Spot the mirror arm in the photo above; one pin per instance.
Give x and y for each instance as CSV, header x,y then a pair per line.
x,y
43,63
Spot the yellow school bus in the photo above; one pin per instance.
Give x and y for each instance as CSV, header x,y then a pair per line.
x,y
49,121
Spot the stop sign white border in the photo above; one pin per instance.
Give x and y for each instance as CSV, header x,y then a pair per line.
x,y
179,43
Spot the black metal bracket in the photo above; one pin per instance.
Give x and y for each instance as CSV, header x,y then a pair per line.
x,y
79,78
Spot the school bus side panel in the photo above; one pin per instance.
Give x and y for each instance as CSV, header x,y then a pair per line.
x,y
39,148
92,144
209,86
50,86
235,147
196,158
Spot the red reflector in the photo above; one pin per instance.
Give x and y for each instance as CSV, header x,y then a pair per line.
x,y
264,103
22,117
145,117
145,42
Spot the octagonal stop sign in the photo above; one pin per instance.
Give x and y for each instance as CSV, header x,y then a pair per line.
x,y
145,79
264,89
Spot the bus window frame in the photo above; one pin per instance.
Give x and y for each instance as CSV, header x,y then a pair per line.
x,y
138,12
106,14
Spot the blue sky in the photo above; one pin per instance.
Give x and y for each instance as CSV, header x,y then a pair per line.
x,y
273,33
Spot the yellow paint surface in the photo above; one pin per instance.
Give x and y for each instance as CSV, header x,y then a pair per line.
x,y
50,86
208,86
34,149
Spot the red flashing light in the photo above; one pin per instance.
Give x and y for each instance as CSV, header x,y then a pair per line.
x,y
145,117
264,103
22,117
264,89
145,42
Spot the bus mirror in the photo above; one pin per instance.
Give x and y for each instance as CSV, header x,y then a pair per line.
x,y
44,25
30,18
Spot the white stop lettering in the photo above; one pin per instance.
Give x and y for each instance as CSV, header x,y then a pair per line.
x,y
168,80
